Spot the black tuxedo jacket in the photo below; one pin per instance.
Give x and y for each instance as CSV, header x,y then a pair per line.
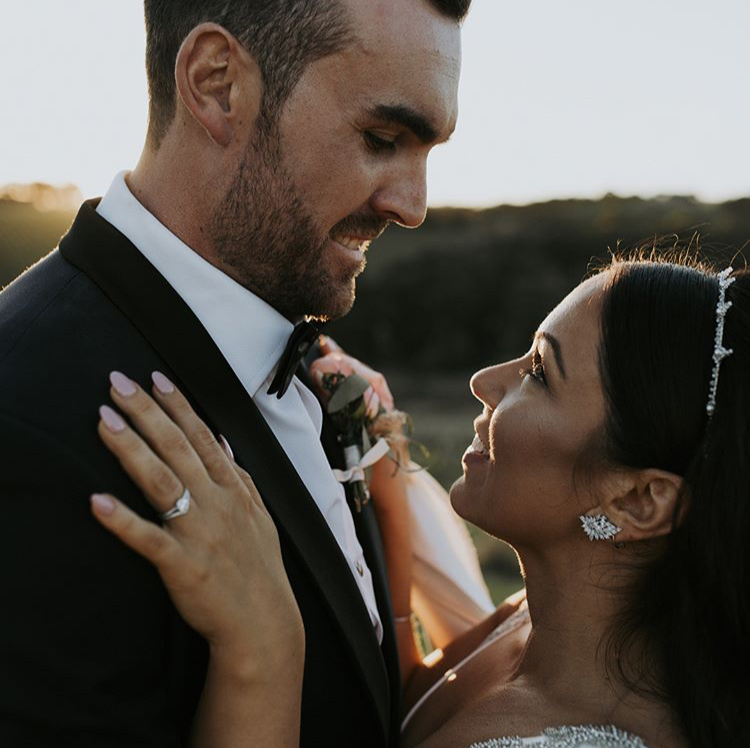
x,y
92,652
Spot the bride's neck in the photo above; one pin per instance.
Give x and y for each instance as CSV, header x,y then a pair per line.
x,y
572,607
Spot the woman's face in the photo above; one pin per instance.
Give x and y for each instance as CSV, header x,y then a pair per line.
x,y
519,473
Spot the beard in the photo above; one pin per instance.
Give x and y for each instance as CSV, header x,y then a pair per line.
x,y
265,239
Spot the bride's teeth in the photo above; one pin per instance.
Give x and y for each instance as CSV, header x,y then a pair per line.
x,y
477,445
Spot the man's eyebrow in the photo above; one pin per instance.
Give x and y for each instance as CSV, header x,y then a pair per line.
x,y
407,117
554,344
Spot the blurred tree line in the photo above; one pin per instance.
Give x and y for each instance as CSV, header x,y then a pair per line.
x,y
466,289
33,217
470,287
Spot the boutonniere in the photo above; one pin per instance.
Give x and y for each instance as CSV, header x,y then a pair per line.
x,y
361,406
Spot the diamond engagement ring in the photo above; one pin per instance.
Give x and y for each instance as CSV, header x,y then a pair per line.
x,y
181,507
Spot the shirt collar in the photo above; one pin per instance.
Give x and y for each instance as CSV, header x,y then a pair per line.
x,y
249,332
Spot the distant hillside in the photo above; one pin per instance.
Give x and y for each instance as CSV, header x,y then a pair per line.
x,y
32,219
465,290
469,286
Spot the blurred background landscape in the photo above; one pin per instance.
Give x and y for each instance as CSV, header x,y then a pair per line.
x,y
466,290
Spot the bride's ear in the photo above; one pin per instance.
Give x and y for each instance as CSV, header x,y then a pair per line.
x,y
643,504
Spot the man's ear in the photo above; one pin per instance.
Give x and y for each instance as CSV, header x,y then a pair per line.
x,y
218,82
644,504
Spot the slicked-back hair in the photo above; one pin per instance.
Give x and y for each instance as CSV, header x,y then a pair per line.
x,y
284,37
681,634
455,9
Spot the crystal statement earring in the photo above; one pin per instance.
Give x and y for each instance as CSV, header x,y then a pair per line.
x,y
598,527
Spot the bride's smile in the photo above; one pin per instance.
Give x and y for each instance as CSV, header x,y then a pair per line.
x,y
542,414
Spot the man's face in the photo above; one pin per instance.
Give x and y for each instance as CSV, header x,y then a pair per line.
x,y
347,158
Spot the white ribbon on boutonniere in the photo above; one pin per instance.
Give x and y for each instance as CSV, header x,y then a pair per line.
x,y
449,592
357,463
359,409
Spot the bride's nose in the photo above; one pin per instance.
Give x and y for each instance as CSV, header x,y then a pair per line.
x,y
488,385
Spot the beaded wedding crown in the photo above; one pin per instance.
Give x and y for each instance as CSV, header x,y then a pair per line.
x,y
720,352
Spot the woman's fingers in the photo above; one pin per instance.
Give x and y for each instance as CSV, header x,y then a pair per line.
x,y
144,537
157,480
166,438
224,567
328,345
211,453
336,361
244,476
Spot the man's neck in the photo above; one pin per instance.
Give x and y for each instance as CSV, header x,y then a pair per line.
x,y
170,199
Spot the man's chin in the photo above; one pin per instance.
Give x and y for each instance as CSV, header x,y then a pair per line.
x,y
340,284
336,306
324,298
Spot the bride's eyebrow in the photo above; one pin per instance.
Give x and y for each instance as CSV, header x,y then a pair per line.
x,y
554,344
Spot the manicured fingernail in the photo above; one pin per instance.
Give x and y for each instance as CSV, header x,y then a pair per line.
x,y
162,383
123,386
102,504
111,419
225,446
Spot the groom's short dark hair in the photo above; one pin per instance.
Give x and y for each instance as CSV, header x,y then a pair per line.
x,y
284,36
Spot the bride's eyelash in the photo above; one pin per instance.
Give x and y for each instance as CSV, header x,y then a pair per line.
x,y
536,370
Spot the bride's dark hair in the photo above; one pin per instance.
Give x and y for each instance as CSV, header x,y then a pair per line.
x,y
684,632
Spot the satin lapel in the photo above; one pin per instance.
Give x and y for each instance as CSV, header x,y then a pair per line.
x,y
365,522
162,317
368,532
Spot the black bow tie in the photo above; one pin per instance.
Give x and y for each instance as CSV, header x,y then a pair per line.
x,y
300,342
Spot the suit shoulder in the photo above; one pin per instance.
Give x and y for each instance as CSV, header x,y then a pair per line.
x,y
31,294
59,337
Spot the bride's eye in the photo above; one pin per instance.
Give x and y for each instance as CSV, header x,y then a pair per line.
x,y
536,370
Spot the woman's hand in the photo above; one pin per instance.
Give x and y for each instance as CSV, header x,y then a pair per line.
x,y
334,360
221,561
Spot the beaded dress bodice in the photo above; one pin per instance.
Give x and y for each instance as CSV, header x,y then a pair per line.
x,y
581,736
568,736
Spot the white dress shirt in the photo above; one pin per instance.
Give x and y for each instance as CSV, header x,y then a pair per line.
x,y
251,336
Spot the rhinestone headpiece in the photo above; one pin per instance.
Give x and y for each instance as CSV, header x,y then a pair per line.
x,y
720,352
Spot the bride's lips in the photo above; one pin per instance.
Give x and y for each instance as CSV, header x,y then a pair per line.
x,y
476,453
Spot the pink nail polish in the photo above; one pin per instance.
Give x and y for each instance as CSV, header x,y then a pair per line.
x,y
111,419
122,384
162,383
102,504
225,446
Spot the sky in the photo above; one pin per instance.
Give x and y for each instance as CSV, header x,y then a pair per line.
x,y
557,99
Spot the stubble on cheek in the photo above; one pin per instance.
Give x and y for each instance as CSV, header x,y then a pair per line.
x,y
268,243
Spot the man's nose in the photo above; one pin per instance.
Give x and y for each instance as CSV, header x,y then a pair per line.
x,y
403,197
